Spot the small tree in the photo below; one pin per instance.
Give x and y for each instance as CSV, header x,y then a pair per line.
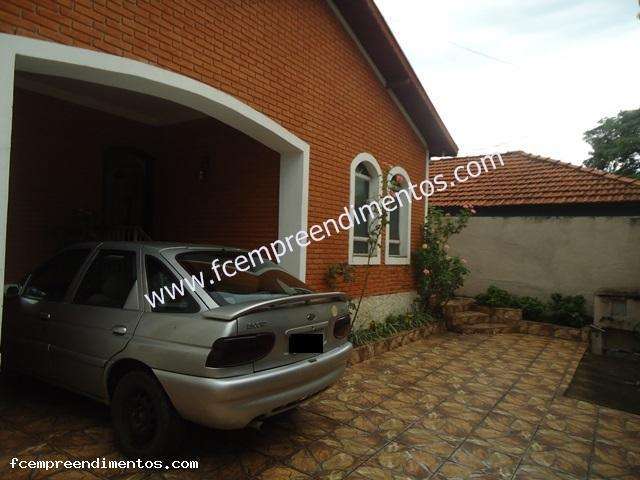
x,y
440,274
376,227
616,144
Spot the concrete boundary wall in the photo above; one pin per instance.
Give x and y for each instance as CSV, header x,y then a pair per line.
x,y
538,255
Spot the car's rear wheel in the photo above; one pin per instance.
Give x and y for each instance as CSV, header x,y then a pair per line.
x,y
145,422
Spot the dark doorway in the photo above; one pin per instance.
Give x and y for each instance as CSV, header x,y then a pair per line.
x,y
127,187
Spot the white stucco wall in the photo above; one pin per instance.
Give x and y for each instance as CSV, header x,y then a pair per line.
x,y
377,308
538,256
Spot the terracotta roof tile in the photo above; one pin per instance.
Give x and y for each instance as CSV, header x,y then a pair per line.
x,y
527,179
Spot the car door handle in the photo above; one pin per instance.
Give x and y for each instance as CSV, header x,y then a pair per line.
x,y
45,316
119,330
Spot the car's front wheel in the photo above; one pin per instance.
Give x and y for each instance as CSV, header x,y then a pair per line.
x,y
145,422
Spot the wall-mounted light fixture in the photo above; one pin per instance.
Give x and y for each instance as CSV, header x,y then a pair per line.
x,y
203,171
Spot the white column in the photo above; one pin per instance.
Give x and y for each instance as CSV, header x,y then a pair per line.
x,y
293,206
7,61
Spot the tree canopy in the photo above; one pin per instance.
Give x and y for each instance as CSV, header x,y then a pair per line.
x,y
616,144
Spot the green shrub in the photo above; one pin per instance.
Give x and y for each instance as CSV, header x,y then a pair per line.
x,y
561,309
532,308
391,326
498,298
440,274
567,310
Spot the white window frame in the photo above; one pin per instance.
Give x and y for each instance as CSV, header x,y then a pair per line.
x,y
375,191
405,226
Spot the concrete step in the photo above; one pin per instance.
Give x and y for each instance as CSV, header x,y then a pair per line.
x,y
486,328
500,315
468,318
457,305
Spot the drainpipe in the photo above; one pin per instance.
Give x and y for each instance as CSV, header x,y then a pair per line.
x,y
426,200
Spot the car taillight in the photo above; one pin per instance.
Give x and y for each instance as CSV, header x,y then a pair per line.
x,y
342,327
240,350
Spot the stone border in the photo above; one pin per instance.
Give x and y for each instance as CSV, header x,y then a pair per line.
x,y
540,329
551,330
370,350
513,318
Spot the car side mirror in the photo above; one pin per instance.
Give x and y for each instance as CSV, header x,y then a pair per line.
x,y
11,291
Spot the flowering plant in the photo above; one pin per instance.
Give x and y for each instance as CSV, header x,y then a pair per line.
x,y
439,273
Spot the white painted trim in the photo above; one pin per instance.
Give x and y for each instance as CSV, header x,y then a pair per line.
x,y
7,63
293,206
405,226
49,58
103,106
372,164
37,56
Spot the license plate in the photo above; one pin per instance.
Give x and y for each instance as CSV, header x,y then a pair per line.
x,y
306,343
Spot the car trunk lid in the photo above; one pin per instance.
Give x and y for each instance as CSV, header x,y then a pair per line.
x,y
284,317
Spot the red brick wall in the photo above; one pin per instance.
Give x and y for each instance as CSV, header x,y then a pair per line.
x,y
56,168
235,204
290,59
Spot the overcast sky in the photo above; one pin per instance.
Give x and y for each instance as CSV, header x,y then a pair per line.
x,y
527,75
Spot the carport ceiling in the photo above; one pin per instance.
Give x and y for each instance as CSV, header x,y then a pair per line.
x,y
135,106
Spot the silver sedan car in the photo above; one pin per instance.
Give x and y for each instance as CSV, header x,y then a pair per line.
x,y
223,354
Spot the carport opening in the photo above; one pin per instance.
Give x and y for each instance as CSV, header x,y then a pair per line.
x,y
93,162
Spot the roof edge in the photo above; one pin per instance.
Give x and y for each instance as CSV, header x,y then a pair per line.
x,y
372,31
540,158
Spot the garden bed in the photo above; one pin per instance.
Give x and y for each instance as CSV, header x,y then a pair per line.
x,y
369,350
513,318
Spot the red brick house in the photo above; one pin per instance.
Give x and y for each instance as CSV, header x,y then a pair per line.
x,y
223,122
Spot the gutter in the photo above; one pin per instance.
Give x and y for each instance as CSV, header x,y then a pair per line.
x,y
374,37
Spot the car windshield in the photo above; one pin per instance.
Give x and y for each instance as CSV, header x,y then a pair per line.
x,y
264,281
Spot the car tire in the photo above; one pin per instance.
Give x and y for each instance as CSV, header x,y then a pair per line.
x,y
145,422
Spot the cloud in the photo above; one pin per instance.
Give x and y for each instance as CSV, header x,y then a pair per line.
x,y
515,74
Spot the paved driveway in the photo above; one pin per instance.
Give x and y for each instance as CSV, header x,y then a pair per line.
x,y
446,407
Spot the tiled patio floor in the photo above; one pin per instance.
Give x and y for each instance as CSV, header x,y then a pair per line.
x,y
446,407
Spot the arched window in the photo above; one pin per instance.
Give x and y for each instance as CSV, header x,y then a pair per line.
x,y
365,187
398,231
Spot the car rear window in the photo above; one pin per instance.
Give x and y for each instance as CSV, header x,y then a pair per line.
x,y
264,281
